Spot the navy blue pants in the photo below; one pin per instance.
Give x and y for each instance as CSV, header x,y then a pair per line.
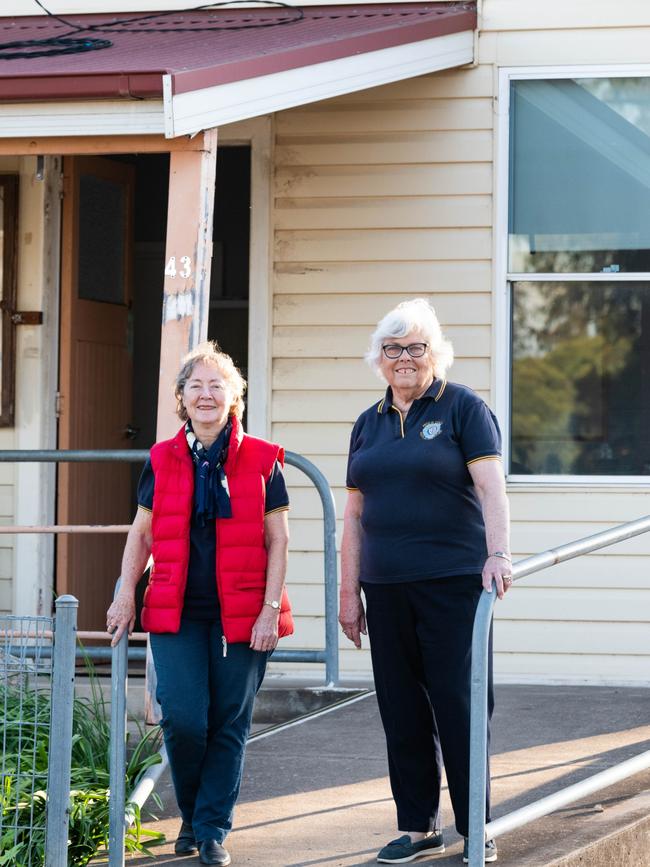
x,y
207,706
421,646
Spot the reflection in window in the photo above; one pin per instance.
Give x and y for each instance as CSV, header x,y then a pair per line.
x,y
581,374
580,176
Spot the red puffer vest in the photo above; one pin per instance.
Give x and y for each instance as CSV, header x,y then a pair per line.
x,y
241,554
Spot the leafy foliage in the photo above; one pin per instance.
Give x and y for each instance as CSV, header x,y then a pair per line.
x,y
25,734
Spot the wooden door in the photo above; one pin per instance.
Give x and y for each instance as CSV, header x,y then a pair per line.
x,y
95,376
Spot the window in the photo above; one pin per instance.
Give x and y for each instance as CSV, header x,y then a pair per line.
x,y
579,276
8,239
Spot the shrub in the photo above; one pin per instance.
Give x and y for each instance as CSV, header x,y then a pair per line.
x,y
25,736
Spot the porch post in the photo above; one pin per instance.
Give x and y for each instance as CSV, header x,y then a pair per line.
x,y
188,257
186,300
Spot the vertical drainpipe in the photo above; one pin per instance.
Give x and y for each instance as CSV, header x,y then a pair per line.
x,y
186,291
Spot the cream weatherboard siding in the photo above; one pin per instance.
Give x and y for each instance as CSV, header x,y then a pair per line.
x,y
27,489
588,619
8,165
379,196
390,193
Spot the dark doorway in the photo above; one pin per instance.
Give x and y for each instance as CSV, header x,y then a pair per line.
x,y
227,324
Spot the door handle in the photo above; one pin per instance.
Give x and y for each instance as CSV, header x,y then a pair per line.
x,y
131,432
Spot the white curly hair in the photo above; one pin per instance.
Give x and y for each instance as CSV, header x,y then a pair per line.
x,y
414,315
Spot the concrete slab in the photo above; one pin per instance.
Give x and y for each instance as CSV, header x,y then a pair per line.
x,y
317,794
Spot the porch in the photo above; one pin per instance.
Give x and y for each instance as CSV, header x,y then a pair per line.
x,y
318,793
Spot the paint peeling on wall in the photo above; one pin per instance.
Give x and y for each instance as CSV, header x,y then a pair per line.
x,y
178,306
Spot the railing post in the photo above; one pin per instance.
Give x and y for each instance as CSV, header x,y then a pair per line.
x,y
478,729
117,777
331,572
60,748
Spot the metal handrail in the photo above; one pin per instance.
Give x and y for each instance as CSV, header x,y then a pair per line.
x,y
329,655
117,749
121,815
121,653
478,831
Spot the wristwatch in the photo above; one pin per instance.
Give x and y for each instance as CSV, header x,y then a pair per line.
x,y
273,603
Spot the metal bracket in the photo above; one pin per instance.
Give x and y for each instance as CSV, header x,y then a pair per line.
x,y
27,317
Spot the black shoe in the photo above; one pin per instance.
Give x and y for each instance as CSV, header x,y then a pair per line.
x,y
212,852
404,849
185,842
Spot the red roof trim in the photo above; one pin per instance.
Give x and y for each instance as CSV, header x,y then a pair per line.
x,y
197,58
319,52
146,85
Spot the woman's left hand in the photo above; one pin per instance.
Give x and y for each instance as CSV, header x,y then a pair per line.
x,y
497,570
264,636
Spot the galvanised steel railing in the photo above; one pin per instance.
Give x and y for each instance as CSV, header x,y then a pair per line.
x,y
479,832
328,655
119,814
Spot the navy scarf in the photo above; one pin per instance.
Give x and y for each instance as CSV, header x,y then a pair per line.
x,y
211,495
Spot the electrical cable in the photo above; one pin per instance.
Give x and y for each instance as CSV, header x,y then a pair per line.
x,y
72,44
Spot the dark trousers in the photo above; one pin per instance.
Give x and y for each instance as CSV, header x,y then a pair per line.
x,y
207,705
421,645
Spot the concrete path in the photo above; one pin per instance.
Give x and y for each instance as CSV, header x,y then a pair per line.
x,y
317,795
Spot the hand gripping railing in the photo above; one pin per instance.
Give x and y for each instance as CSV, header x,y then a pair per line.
x,y
479,832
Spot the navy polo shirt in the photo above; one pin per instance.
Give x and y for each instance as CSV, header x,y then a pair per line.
x,y
421,515
201,598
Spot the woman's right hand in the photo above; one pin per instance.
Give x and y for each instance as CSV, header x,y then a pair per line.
x,y
352,617
120,616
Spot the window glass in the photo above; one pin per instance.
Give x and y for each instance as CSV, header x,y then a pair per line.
x,y
580,176
581,374
103,213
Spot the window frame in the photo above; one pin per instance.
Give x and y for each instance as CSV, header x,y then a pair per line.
x,y
9,184
502,385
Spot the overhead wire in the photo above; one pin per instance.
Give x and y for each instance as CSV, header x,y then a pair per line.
x,y
72,43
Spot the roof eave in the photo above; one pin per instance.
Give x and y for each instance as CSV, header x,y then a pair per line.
x,y
100,86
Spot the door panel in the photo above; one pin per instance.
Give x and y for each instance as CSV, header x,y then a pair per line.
x,y
95,376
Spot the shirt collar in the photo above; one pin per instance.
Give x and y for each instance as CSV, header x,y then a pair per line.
x,y
435,391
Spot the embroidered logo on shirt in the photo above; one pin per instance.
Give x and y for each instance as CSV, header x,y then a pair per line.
x,y
430,430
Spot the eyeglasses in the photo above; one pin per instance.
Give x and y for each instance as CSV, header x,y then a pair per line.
x,y
394,350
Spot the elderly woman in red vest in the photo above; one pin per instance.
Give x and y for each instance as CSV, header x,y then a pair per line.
x,y
212,509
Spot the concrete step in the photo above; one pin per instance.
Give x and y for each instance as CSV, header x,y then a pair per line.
x,y
627,845
280,699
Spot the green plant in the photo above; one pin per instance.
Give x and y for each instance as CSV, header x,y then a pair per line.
x,y
25,736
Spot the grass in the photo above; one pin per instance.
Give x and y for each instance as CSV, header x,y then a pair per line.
x,y
25,735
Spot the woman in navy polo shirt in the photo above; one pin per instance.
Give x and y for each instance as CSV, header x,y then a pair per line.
x,y
426,529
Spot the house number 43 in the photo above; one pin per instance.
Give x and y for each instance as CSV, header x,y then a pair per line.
x,y
184,271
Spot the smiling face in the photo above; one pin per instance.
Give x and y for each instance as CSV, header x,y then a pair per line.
x,y
406,373
207,398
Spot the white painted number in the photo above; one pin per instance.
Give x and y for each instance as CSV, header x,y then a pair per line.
x,y
185,271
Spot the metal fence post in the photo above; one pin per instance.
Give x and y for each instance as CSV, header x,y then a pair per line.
x,y
118,753
60,750
478,729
